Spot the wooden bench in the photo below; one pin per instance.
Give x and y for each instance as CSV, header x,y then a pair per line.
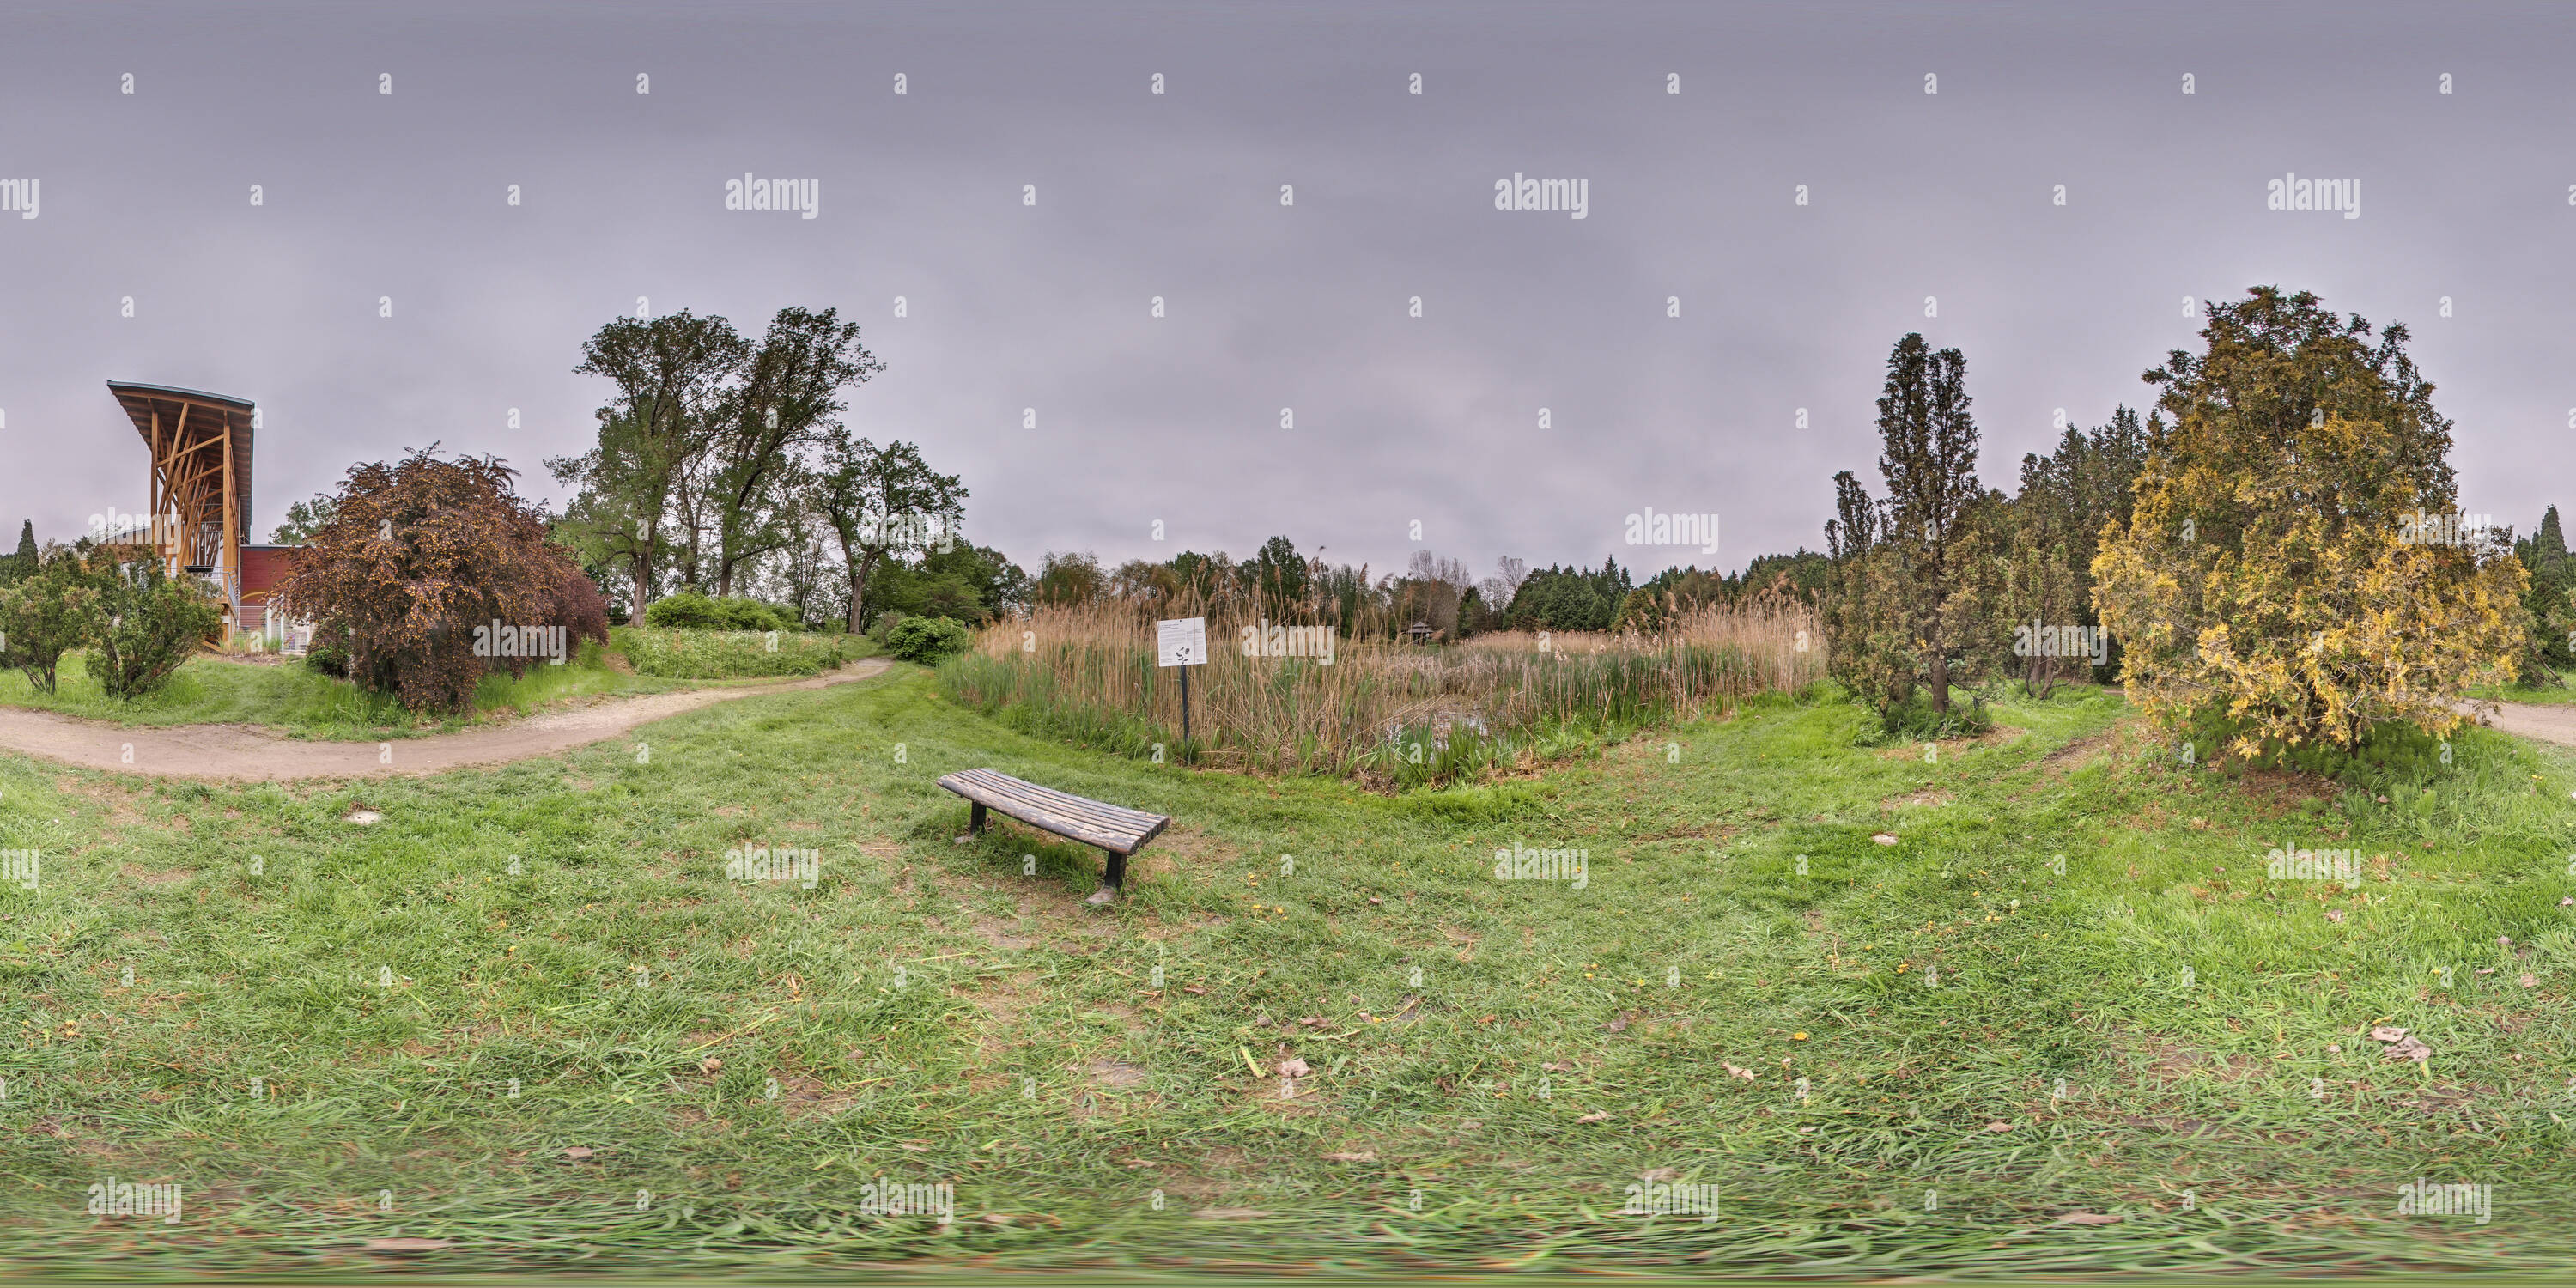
x,y
1118,831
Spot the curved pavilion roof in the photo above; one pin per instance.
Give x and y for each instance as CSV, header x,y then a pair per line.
x,y
190,420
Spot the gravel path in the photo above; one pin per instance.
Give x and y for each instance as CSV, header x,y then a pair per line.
x,y
2550,724
247,753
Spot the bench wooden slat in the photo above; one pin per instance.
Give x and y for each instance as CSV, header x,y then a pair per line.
x,y
1110,827
1101,814
1107,817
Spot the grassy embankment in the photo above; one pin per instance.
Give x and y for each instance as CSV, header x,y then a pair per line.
x,y
741,1059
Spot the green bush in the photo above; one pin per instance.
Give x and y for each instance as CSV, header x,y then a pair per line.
x,y
46,614
1914,720
691,654
691,611
328,659
928,639
146,626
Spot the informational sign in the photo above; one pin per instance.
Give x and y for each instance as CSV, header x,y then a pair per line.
x,y
1181,642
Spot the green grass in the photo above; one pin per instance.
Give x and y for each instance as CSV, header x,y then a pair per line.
x,y
294,699
943,1012
728,655
2543,694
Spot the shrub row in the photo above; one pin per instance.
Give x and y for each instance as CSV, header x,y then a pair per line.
x,y
690,611
726,655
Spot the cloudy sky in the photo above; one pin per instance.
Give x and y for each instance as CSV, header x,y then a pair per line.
x,y
2466,197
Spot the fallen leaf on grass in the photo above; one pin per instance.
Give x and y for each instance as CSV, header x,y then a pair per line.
x,y
1883,838
1194,990
406,1245
2088,1218
710,1065
1293,1067
2387,1033
2529,981
1598,1115
1746,1074
2410,1049
1619,1025
1221,1214
2334,914
579,1152
1998,1126
1560,1066
1364,1156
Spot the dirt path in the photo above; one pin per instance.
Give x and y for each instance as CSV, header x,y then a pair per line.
x,y
2550,724
247,753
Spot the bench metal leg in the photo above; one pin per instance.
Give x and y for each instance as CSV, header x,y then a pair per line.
x,y
975,819
1116,878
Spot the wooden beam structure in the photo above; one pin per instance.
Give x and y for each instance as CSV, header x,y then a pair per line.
x,y
200,484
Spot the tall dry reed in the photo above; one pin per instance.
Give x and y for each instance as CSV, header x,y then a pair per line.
x,y
1379,707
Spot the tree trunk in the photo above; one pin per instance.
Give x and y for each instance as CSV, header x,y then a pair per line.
x,y
859,591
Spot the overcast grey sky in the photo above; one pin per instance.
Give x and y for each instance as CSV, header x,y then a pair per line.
x,y
368,195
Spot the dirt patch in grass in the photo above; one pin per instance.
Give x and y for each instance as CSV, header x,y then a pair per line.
x,y
1995,737
801,1096
1929,796
1114,1073
1703,832
1002,935
2281,792
1001,1002
2076,753
2170,1061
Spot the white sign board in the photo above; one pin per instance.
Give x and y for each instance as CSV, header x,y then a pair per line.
x,y
1181,642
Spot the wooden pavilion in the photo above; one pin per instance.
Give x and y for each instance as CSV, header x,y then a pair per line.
x,y
199,520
